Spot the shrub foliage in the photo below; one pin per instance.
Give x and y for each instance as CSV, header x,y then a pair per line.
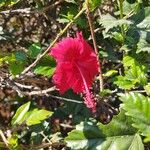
x,y
34,115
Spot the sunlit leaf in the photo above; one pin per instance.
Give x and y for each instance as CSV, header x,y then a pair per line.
x,y
13,142
109,22
110,73
37,116
135,74
44,70
147,89
71,1
123,83
8,2
20,114
89,136
138,107
85,136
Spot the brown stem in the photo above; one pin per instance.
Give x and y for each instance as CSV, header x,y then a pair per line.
x,y
94,43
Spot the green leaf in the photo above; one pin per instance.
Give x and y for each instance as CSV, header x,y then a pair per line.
x,y
8,2
16,62
143,18
135,71
46,66
120,125
143,46
140,31
68,13
34,50
109,22
128,7
86,133
20,114
110,73
123,83
37,116
138,107
118,37
16,68
131,40
135,74
8,59
128,61
147,89
62,20
141,15
12,2
147,139
13,142
71,1
94,4
32,117
21,56
89,137
2,3
44,70
82,22
122,143
105,92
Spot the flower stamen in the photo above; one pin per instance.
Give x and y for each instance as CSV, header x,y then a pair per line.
x,y
89,97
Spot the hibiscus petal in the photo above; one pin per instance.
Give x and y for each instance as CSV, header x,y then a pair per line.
x,y
66,50
76,68
66,77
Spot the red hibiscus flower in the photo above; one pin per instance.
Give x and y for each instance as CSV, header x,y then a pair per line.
x,y
76,67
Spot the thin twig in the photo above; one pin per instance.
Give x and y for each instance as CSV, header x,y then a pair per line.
x,y
25,10
14,87
29,11
35,81
95,45
4,139
40,92
65,99
129,14
52,44
45,137
52,6
138,91
67,126
23,86
19,88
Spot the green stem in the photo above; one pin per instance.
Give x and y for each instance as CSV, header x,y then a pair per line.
x,y
121,8
120,3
